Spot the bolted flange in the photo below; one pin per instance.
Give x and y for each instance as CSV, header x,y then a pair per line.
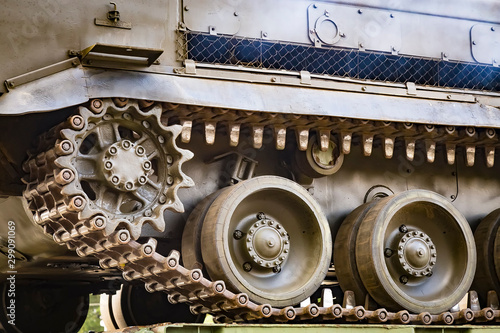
x,y
268,243
417,253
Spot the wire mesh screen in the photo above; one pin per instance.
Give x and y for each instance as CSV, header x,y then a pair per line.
x,y
349,63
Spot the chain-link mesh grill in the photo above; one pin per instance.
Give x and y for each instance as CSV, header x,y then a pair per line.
x,y
349,63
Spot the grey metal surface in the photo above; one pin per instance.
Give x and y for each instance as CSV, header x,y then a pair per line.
x,y
485,43
77,85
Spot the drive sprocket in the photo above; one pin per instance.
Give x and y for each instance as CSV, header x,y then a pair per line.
x,y
120,159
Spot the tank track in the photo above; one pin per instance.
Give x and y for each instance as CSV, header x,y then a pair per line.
x,y
60,209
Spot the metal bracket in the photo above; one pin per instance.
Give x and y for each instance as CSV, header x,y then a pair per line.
x,y
42,72
113,20
305,77
411,88
190,66
120,53
244,167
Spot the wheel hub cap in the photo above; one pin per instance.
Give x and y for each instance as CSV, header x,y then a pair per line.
x,y
125,165
417,253
267,243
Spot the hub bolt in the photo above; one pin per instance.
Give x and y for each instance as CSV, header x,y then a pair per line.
x,y
238,234
247,267
140,151
126,144
115,180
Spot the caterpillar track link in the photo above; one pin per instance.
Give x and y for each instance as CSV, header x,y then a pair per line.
x,y
63,210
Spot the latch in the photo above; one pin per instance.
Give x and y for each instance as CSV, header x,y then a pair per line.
x,y
113,20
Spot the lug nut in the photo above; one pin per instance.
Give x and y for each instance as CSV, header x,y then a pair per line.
x,y
142,180
403,229
170,159
146,165
113,150
237,234
247,267
261,216
129,185
277,269
403,279
388,252
108,165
